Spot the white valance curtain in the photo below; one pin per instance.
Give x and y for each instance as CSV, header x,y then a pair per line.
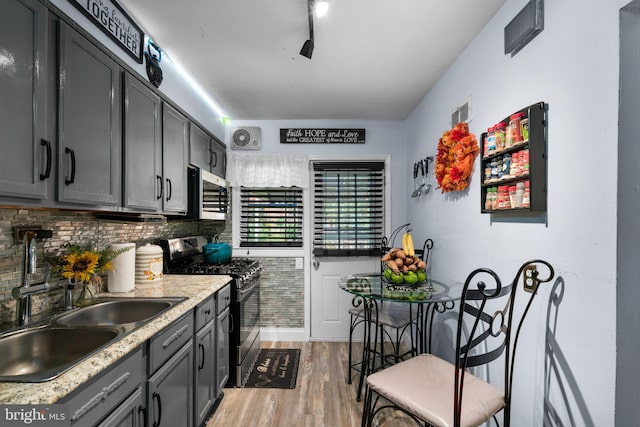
x,y
267,170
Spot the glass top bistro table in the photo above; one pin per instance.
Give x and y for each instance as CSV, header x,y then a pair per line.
x,y
371,290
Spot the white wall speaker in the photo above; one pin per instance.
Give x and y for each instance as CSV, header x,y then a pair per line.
x,y
246,138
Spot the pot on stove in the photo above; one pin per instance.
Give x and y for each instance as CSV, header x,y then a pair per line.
x,y
216,253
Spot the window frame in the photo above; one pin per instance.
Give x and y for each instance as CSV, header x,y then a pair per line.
x,y
382,206
299,213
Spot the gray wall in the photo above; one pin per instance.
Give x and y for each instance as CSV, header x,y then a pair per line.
x,y
628,247
567,361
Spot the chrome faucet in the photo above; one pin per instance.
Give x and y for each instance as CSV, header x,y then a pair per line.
x,y
24,292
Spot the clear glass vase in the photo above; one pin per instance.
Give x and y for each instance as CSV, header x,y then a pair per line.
x,y
87,293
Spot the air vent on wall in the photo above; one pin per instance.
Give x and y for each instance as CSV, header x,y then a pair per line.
x,y
524,27
461,113
245,138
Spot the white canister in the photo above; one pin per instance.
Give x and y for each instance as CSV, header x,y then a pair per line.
x,y
122,277
148,264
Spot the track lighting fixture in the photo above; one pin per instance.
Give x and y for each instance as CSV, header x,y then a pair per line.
x,y
320,7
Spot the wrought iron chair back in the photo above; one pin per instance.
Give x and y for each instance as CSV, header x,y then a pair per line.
x,y
489,333
484,333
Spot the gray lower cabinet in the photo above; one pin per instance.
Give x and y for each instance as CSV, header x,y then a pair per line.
x,y
93,402
130,413
170,385
204,355
26,164
223,319
89,123
170,391
204,371
144,185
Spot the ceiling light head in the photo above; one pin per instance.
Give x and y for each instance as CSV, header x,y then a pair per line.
x,y
320,7
307,49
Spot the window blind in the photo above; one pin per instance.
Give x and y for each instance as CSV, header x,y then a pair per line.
x,y
271,217
348,208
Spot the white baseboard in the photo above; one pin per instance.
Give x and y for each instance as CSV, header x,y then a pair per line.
x,y
282,334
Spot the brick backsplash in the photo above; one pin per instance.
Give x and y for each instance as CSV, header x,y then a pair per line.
x,y
81,228
281,293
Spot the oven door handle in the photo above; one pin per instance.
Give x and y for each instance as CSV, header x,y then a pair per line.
x,y
246,290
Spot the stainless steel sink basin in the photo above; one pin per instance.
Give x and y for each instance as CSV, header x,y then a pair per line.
x,y
40,354
118,312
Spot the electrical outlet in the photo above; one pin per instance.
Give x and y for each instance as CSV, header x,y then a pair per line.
x,y
299,263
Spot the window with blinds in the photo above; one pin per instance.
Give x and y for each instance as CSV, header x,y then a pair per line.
x,y
271,217
348,208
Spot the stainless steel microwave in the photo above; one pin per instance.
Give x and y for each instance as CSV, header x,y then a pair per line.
x,y
208,195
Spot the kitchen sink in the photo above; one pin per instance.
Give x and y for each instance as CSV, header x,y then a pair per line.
x,y
122,312
40,354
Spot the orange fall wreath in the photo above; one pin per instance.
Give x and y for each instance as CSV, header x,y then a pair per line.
x,y
457,150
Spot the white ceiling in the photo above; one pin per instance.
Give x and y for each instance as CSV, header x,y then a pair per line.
x,y
373,59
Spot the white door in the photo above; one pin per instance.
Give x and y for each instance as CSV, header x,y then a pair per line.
x,y
347,226
330,304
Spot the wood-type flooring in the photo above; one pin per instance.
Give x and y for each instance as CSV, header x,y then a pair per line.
x,y
322,397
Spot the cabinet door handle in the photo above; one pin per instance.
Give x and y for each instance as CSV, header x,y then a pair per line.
x,y
210,157
169,189
201,365
142,410
159,179
47,169
72,177
100,396
215,159
175,336
156,397
207,311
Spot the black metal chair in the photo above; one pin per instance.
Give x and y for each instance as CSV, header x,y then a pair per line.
x,y
438,393
398,317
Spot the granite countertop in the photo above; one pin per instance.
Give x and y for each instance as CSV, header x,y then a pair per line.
x,y
195,288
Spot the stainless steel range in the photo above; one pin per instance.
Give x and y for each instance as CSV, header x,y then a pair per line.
x,y
184,256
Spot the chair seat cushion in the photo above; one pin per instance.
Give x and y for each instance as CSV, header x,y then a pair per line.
x,y
394,316
423,386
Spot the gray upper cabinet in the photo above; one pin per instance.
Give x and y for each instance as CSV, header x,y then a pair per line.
x,y
144,185
25,166
218,159
90,139
155,151
206,153
199,148
175,134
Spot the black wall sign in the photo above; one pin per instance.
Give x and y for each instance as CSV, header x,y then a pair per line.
x,y
321,136
114,22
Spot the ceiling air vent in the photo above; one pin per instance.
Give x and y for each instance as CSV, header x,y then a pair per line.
x,y
524,27
246,138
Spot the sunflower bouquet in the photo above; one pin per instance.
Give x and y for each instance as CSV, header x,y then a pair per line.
x,y
81,266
